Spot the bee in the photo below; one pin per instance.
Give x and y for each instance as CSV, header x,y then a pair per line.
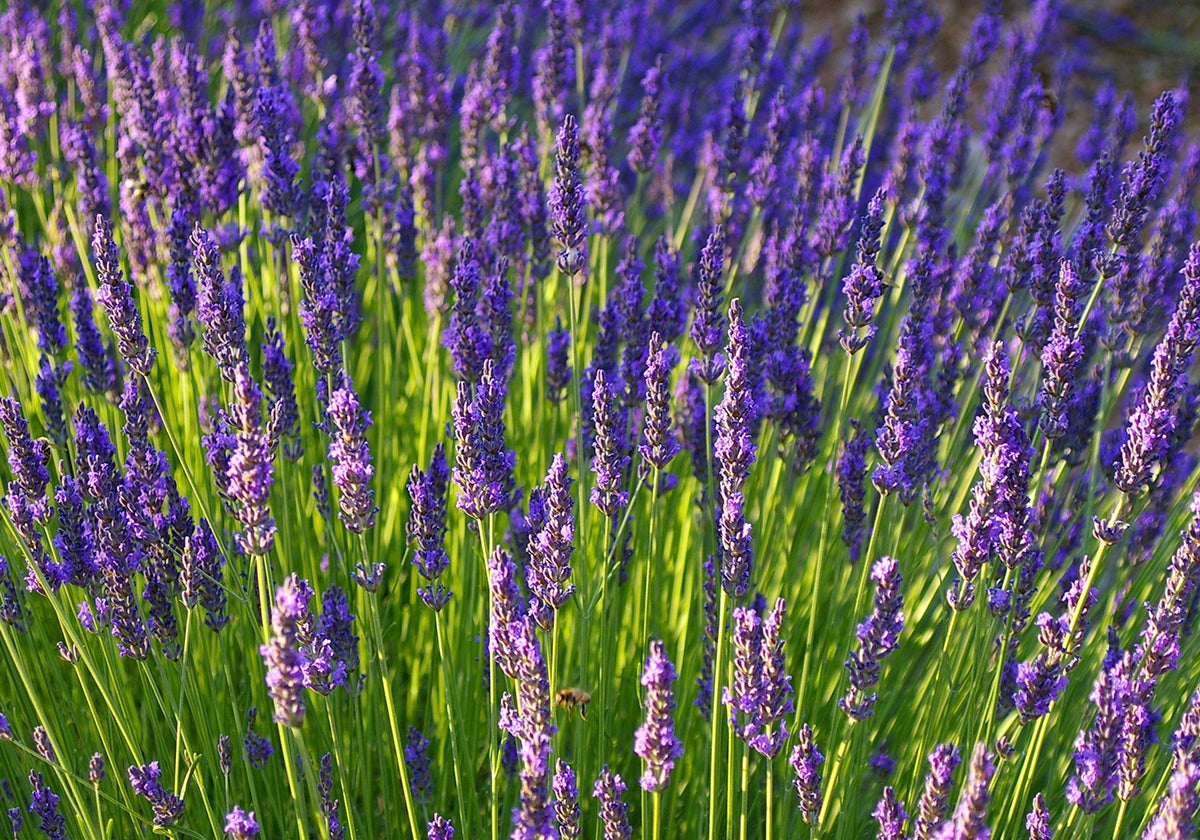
x,y
570,698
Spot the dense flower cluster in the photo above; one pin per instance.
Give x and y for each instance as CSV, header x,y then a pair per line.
x,y
275,274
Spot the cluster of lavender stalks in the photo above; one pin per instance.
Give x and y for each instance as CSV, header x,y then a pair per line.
x,y
797,453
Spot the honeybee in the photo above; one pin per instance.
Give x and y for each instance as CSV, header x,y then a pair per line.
x,y
570,698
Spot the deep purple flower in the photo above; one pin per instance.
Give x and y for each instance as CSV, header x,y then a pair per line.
x,y
1063,353
426,526
1177,809
201,576
282,655
864,284
250,472
806,763
93,355
646,134
610,460
28,461
440,828
967,822
708,322
351,458
935,799
219,306
38,291
44,806
241,825
890,814
734,452
282,409
567,202
609,790
877,636
659,444
1151,423
416,758
551,546
851,474
281,193
836,212
168,808
1038,820
115,294
566,802
96,769
655,742
558,362
483,467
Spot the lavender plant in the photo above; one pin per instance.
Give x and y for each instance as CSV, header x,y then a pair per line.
x,y
348,349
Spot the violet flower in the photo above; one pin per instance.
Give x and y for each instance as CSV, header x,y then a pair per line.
x,y
654,741
878,636
609,790
250,472
168,808
551,546
890,814
1038,820
567,202
240,825
935,799
351,458
115,294
483,467
806,763
968,820
440,828
609,461
426,527
282,656
558,362
44,805
707,324
566,802
734,452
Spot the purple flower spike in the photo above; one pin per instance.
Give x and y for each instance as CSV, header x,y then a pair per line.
x,y
551,547
806,762
282,655
351,457
558,362
567,202
646,134
440,828
655,742
250,472
1038,820
708,324
864,284
967,823
889,813
168,808
659,444
416,757
44,806
426,527
1063,353
610,461
877,636
566,802
115,294
1177,811
201,573
609,790
1152,423
935,799
483,466
240,825
734,452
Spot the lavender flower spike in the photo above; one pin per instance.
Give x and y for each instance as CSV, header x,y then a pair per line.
x,y
610,461
613,811
806,763
115,294
351,457
240,825
566,802
1177,811
250,473
707,325
877,636
483,466
734,452
282,655
655,742
567,202
168,808
551,547
889,813
1038,820
440,828
426,527
659,443
1152,423
968,820
934,802
44,806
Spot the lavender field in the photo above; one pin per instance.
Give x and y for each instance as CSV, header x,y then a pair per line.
x,y
562,420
